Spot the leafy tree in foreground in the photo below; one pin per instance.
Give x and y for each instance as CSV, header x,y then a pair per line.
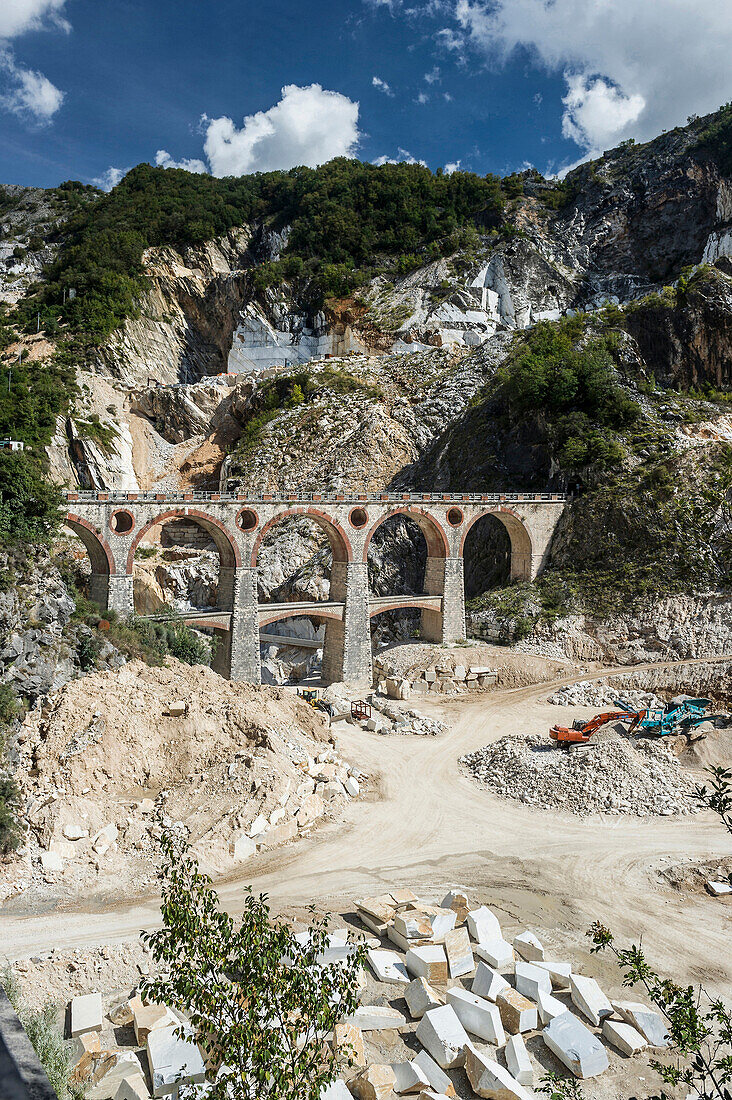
x,y
259,1001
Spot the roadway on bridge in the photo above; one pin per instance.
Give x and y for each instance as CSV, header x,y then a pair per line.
x,y
424,825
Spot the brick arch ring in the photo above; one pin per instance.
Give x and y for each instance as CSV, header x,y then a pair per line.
x,y
221,536
514,524
339,542
435,537
93,540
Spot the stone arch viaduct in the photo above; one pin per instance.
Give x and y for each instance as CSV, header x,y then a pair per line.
x,y
111,525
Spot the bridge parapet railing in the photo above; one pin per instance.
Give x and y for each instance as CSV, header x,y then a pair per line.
x,y
93,496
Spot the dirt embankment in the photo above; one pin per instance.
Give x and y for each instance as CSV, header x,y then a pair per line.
x,y
115,757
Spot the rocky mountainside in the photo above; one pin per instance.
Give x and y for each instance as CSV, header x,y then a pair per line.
x,y
516,334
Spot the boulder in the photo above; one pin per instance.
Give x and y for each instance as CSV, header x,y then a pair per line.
x,y
459,953
132,1088
258,826
575,1046
387,966
74,832
149,1018
122,1013
477,1016
241,846
488,983
52,861
173,1061
529,947
517,1014
530,979
457,900
429,962
311,808
86,1014
549,1007
421,997
518,1061
483,925
110,1071
651,1024
348,1042
589,998
352,786
719,889
443,1036
559,972
490,1080
376,1082
409,1078
623,1037
177,709
412,925
377,1018
336,1090
495,952
438,1079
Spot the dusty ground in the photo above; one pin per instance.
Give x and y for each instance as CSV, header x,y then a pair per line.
x,y
426,826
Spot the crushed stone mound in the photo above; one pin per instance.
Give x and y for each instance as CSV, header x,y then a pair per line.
x,y
596,694
612,774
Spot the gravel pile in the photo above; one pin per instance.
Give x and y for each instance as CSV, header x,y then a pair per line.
x,y
597,694
407,721
612,774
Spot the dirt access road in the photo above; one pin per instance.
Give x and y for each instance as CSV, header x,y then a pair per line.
x,y
424,825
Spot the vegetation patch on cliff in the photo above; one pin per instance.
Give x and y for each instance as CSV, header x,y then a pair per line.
x,y
343,217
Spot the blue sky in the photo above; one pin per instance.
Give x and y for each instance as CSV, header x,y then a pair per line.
x,y
89,88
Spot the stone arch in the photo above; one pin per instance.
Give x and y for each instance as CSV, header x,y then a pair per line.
x,y
95,544
100,556
519,536
228,550
397,604
434,535
266,618
339,542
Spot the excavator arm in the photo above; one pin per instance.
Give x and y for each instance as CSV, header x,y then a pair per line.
x,y
584,731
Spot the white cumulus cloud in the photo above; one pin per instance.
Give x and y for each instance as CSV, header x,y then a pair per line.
x,y
163,159
19,16
633,67
453,166
307,126
381,85
26,92
403,157
110,178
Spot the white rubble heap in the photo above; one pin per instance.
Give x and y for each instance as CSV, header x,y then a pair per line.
x,y
404,720
612,774
594,693
449,678
493,1026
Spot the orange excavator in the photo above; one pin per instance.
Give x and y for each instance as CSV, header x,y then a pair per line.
x,y
581,732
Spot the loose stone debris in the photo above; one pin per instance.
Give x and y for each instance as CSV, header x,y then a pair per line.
x,y
415,1034
612,774
593,693
114,758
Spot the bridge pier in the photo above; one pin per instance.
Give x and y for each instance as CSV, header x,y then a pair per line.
x,y
347,647
120,594
239,657
453,601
